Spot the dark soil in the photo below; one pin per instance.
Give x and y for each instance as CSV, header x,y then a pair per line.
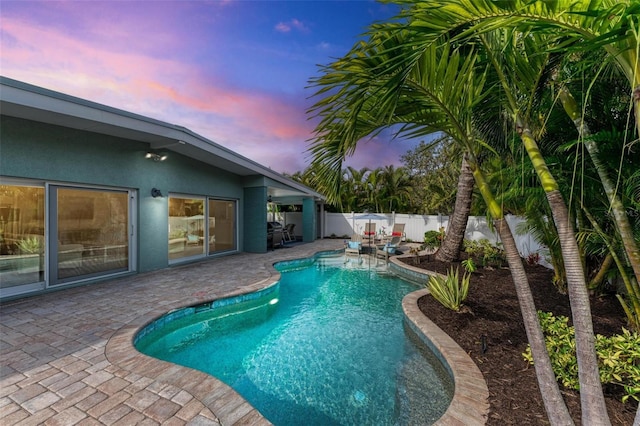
x,y
492,311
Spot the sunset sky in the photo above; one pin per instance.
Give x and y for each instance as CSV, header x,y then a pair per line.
x,y
233,71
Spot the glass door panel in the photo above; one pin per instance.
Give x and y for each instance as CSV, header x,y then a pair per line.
x,y
186,227
222,226
92,230
22,235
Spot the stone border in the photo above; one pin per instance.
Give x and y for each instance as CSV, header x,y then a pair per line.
x,y
228,406
470,400
470,403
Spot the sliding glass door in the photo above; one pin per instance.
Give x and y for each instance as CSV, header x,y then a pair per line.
x,y
53,234
199,226
186,227
22,237
92,229
222,225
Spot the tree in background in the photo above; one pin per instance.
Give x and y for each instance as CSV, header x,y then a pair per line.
x,y
434,169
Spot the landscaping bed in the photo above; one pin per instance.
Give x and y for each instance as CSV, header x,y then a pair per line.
x,y
492,310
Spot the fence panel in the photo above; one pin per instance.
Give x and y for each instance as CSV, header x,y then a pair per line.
x,y
343,225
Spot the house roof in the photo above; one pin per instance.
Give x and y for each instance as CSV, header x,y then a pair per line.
x,y
23,100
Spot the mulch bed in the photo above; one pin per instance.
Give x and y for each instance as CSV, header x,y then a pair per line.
x,y
493,311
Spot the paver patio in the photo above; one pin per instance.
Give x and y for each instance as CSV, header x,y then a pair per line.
x,y
67,358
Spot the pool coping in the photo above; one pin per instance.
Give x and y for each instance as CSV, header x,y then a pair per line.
x,y
469,405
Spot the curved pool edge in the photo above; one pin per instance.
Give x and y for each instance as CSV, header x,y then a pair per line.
x,y
226,406
470,403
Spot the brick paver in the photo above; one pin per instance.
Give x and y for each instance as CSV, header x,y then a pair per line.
x,y
66,358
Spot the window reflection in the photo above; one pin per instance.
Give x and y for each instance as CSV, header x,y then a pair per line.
x,y
92,232
22,236
222,214
186,227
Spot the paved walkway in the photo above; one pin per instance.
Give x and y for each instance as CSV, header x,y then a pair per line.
x,y
67,358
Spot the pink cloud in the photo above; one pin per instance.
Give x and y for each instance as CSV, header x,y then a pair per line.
x,y
143,84
269,129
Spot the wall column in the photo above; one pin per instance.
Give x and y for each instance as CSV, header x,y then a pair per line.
x,y
255,220
308,220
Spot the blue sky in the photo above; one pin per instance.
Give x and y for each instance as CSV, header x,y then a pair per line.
x,y
233,71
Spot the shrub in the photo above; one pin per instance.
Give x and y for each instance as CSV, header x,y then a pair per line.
x,y
450,291
469,265
533,259
618,356
415,252
483,249
433,239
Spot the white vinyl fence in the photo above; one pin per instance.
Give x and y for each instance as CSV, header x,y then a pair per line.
x,y
347,224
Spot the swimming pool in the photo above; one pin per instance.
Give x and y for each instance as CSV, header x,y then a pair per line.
x,y
325,345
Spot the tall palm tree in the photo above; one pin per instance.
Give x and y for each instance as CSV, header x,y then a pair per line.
x,y
526,24
615,202
449,250
364,94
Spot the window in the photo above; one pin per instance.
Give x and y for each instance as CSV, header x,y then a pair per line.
x,y
186,227
222,225
22,235
92,227
53,235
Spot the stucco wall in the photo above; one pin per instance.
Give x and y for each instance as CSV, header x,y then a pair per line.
x,y
255,220
68,156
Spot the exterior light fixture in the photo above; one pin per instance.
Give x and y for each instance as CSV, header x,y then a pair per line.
x,y
155,193
269,199
156,157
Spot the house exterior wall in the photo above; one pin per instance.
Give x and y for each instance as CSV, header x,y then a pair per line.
x,y
255,219
309,220
62,155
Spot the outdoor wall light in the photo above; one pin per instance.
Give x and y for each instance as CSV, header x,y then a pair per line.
x,y
155,192
269,199
156,157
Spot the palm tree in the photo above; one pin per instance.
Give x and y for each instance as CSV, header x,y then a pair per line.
x,y
395,189
436,95
525,25
449,250
615,202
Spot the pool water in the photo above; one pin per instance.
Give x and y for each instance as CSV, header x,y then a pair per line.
x,y
326,345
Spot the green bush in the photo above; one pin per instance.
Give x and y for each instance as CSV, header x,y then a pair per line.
x,y
483,249
450,291
469,265
618,355
433,239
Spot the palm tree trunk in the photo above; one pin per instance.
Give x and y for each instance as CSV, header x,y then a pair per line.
x,y
594,410
619,214
449,251
602,272
633,292
554,404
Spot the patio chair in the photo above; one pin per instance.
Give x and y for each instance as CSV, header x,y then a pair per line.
x,y
398,230
369,231
389,249
354,246
287,233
